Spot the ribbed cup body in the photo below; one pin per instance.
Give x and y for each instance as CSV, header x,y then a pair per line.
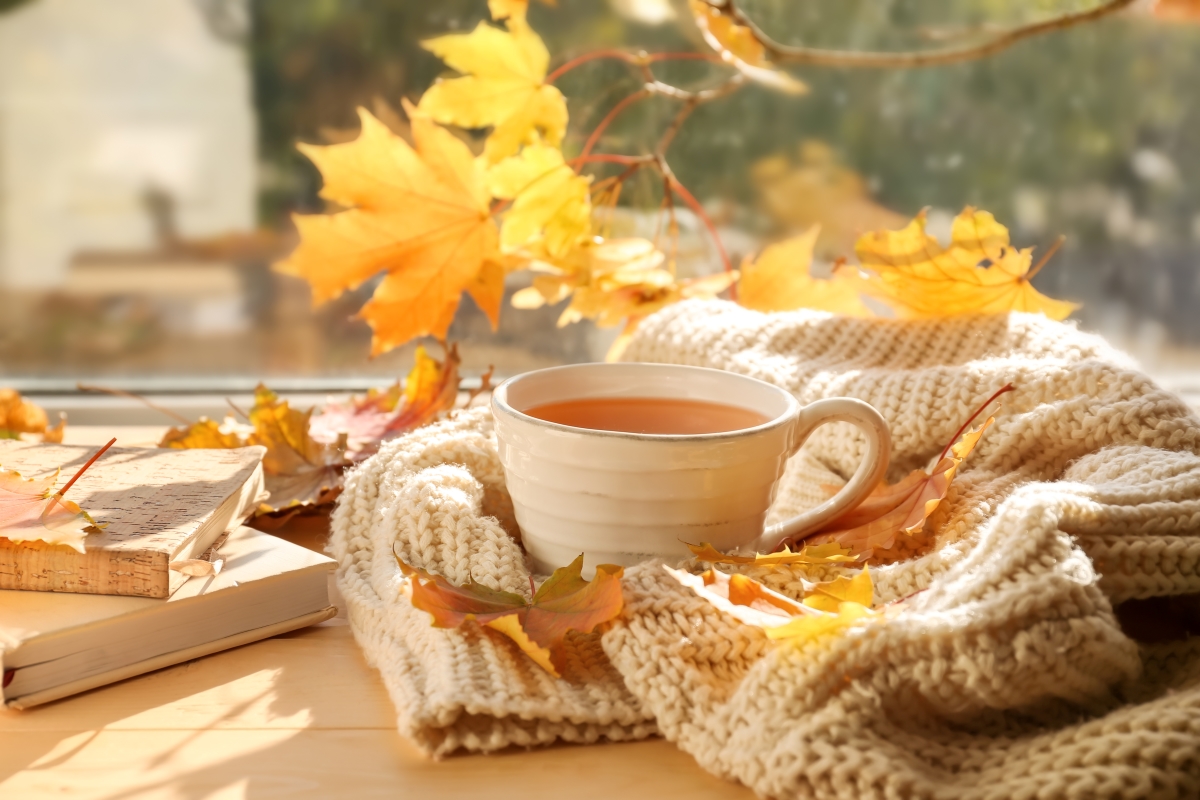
x,y
620,498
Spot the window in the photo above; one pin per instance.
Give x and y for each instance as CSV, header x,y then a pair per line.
x,y
148,169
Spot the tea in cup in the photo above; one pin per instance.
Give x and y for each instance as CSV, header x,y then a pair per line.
x,y
626,462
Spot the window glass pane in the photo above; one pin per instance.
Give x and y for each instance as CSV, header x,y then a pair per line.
x,y
148,168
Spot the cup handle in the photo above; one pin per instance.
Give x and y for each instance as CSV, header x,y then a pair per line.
x,y
868,475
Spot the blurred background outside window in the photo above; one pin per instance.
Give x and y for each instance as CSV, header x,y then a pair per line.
x,y
148,170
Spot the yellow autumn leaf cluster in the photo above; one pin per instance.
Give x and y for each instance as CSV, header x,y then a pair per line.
x,y
428,220
980,272
423,213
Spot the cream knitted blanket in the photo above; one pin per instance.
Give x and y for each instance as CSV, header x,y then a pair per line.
x,y
1005,676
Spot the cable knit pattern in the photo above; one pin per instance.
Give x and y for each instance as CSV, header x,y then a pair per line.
x,y
1004,674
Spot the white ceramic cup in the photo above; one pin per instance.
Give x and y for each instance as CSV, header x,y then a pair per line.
x,y
620,498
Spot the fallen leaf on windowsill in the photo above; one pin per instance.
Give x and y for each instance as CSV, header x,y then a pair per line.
x,y
21,418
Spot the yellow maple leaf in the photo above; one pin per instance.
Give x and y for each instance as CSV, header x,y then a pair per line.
x,y
779,616
813,554
207,434
736,46
980,272
422,215
779,280
299,469
550,201
502,86
829,595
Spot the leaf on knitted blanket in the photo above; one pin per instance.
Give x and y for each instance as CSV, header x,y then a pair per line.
x,y
831,553
827,607
979,273
564,602
829,595
900,508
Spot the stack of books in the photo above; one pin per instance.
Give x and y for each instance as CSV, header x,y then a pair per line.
x,y
170,577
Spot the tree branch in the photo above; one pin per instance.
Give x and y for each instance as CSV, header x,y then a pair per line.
x,y
790,54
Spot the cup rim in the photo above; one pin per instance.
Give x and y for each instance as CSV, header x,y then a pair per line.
x,y
500,404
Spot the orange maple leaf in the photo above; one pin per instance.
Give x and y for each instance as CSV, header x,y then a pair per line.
x,y
565,602
902,508
420,215
979,273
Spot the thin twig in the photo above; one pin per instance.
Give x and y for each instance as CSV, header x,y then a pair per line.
x,y
595,135
238,410
668,135
586,57
708,223
610,158
638,58
790,54
130,395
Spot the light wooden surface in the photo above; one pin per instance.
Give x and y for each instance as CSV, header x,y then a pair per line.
x,y
300,715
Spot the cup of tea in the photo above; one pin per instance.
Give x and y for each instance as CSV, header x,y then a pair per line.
x,y
626,462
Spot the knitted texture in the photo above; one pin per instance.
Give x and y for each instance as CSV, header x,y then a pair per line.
x,y
1005,673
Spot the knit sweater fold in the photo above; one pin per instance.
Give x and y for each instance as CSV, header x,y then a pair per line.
x,y
1004,672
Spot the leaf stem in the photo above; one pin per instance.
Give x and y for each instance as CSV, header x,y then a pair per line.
x,y
610,158
699,211
1045,257
639,59
791,54
234,406
84,468
1007,388
586,57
